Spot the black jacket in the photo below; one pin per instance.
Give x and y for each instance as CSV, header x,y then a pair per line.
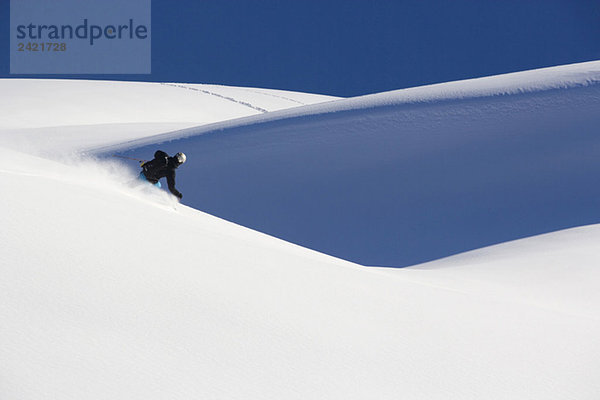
x,y
162,166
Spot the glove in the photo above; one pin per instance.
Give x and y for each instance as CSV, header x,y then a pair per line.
x,y
179,196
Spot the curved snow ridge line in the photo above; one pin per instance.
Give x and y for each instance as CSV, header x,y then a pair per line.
x,y
523,82
243,103
516,83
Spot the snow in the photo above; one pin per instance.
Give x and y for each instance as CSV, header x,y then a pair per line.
x,y
564,262
112,289
69,115
525,82
405,177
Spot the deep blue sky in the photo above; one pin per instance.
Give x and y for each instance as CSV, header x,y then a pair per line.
x,y
352,47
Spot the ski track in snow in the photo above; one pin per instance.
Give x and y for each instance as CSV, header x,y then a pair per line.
x,y
240,102
277,96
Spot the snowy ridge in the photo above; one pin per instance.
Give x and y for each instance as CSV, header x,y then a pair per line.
x,y
517,83
53,115
537,80
59,102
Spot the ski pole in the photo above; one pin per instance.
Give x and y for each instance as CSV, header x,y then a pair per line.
x,y
130,158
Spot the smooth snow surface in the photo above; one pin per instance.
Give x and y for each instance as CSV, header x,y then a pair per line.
x,y
111,292
404,177
110,289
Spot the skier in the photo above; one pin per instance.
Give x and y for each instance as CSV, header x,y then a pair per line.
x,y
160,167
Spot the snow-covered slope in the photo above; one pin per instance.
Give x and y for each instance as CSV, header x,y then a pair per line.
x,y
65,115
112,290
556,271
404,177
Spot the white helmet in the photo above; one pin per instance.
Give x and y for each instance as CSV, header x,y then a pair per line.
x,y
180,157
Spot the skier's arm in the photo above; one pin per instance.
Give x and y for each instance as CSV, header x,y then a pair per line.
x,y
171,184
